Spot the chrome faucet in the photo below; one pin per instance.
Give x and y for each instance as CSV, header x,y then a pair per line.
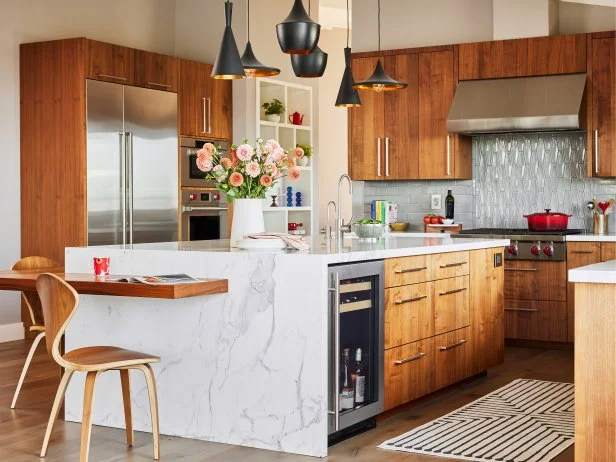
x,y
328,226
341,228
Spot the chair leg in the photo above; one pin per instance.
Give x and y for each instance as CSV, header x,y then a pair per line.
x,y
86,422
57,403
25,369
128,416
151,382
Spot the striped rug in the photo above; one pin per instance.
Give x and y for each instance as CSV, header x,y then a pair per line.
x,y
525,421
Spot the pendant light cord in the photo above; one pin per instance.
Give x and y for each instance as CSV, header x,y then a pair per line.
x,y
347,23
379,22
309,4
248,21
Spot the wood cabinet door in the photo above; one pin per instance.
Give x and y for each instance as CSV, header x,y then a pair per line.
x,y
493,60
578,254
544,320
603,81
112,63
451,304
608,251
452,357
536,280
406,270
409,314
192,98
156,71
401,119
219,107
436,91
366,128
559,54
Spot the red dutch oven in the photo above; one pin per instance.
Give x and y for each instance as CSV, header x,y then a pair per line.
x,y
547,221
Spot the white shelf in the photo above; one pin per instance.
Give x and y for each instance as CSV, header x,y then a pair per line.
x,y
284,125
288,209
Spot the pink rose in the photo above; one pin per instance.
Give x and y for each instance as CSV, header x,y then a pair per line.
x,y
226,163
236,179
294,174
244,152
266,181
298,152
253,170
205,165
204,155
209,148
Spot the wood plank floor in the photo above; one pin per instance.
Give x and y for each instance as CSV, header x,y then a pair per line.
x,y
22,429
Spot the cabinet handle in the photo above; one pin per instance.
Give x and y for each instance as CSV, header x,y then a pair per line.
x,y
408,360
452,265
209,115
582,251
454,291
410,270
378,157
386,156
597,152
409,300
526,310
453,345
521,269
107,76
203,100
163,85
448,156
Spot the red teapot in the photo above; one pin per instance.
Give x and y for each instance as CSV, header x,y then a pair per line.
x,y
296,118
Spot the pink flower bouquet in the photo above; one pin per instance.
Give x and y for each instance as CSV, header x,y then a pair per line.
x,y
250,170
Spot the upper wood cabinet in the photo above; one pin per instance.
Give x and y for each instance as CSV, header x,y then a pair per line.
x,y
153,70
112,63
562,54
204,103
602,110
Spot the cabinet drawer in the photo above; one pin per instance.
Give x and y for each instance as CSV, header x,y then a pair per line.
x,y
536,280
451,304
405,270
409,314
536,320
408,372
608,251
448,265
452,356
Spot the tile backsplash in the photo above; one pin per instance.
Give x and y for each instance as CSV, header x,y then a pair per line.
x,y
513,175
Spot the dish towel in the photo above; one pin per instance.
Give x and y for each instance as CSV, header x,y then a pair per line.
x,y
297,242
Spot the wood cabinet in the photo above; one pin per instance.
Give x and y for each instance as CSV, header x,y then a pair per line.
x,y
204,103
536,280
406,270
449,265
153,70
112,63
561,54
608,251
602,111
544,320
409,314
578,254
451,304
452,357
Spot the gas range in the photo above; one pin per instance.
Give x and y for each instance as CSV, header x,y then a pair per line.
x,y
528,245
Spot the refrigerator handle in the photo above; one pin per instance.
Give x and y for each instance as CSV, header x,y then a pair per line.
x,y
123,184
129,138
336,325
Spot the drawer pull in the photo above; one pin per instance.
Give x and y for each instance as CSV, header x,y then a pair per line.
x,y
521,269
582,251
107,76
526,310
454,291
408,360
409,300
452,265
453,345
163,85
411,270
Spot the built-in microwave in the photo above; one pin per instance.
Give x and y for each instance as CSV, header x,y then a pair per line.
x,y
190,175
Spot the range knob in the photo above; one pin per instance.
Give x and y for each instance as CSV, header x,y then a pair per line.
x,y
192,196
512,249
548,250
535,250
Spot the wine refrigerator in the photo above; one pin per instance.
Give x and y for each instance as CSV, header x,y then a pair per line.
x,y
356,347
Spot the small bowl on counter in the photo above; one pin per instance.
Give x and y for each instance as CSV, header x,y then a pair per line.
x,y
399,227
369,231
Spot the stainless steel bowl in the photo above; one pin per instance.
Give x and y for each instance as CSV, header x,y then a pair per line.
x,y
375,231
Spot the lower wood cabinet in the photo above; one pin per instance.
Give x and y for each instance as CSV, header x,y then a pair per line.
x,y
408,372
451,304
536,280
452,357
409,314
608,251
536,320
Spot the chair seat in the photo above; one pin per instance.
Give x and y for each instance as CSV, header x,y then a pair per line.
x,y
99,358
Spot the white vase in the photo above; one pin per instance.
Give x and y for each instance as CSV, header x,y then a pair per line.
x,y
273,117
247,219
302,161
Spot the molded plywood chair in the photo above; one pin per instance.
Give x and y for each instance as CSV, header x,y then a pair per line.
x,y
31,263
59,301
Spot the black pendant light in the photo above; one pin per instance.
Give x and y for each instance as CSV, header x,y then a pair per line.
x,y
252,66
347,95
298,34
228,64
312,64
379,80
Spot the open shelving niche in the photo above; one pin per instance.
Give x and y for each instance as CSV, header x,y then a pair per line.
x,y
295,98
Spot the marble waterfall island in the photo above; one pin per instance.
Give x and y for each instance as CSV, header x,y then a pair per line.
x,y
248,367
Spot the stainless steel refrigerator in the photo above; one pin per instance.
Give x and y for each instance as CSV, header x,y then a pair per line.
x,y
132,155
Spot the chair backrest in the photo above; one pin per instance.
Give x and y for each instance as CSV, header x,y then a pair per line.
x,y
59,301
30,298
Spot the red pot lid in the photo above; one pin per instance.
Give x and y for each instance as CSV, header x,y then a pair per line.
x,y
547,213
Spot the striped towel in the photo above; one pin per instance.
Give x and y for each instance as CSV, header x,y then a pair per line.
x,y
294,241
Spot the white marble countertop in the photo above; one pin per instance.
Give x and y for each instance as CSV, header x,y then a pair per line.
x,y
353,249
599,273
589,237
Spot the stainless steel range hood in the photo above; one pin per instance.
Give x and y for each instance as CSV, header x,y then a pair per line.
x,y
545,103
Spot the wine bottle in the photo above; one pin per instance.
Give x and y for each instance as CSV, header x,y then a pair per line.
x,y
360,378
449,205
347,397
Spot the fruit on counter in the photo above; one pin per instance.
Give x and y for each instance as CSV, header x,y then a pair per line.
x,y
427,219
433,219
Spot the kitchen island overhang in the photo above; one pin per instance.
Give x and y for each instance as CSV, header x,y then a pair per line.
x,y
249,367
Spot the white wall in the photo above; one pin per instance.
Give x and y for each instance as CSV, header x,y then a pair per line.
x,y
575,18
146,24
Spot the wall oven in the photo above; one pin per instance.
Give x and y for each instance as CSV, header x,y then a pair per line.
x,y
204,215
356,348
190,175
